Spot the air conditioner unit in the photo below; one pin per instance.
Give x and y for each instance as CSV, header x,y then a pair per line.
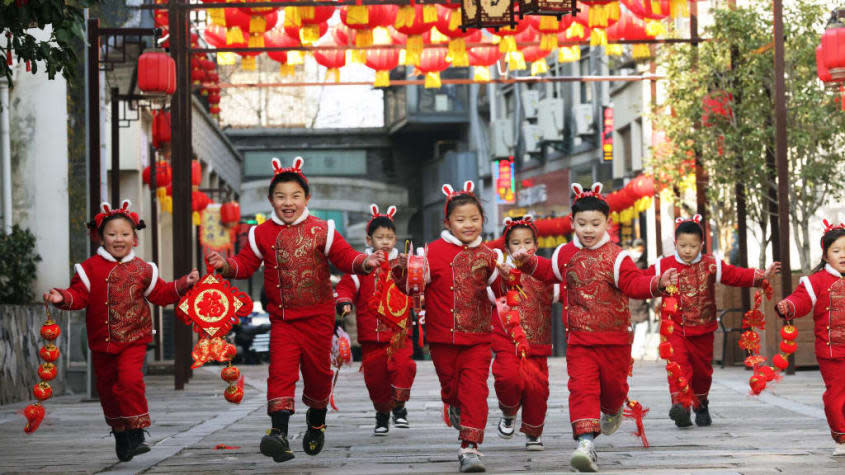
x,y
533,135
550,118
530,102
501,138
583,119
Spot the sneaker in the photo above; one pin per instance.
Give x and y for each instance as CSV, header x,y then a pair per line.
x,y
534,444
839,450
469,459
312,441
584,458
702,415
137,445
455,417
610,422
506,427
400,417
382,424
121,446
275,444
680,415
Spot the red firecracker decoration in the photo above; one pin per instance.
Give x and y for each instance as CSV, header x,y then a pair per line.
x,y
666,351
679,385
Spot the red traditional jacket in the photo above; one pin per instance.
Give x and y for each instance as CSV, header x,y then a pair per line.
x,y
115,295
597,282
358,290
535,314
459,305
697,287
824,294
296,264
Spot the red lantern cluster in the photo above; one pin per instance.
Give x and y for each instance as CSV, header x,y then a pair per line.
x,y
47,371
749,341
678,384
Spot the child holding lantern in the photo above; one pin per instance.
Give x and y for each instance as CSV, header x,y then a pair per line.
x,y
823,293
693,322
114,287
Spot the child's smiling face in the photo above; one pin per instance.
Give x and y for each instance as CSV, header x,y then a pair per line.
x,y
289,200
835,255
118,237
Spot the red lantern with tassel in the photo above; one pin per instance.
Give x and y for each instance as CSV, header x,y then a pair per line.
x,y
789,332
788,346
50,330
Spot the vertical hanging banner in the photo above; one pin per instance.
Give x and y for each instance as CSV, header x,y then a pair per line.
x,y
505,182
607,135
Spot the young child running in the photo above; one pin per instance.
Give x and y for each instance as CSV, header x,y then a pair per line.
x,y
114,287
459,314
389,369
598,278
512,389
692,341
823,293
296,249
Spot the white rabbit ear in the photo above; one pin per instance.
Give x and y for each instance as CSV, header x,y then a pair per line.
x,y
391,210
105,206
507,220
597,187
126,204
577,189
448,190
679,220
469,186
277,165
298,162
827,224
374,209
527,217
697,218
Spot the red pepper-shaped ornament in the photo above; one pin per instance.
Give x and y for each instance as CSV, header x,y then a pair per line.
x,y
49,352
47,371
42,391
50,330
34,414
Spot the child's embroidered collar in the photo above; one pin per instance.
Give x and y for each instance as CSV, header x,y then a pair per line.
x,y
830,270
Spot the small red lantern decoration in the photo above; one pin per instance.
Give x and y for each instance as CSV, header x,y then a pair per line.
x,y
234,393
833,45
34,414
667,327
156,72
196,173
42,391
49,352
767,372
161,128
230,374
789,332
666,351
382,61
788,346
47,371
671,306
757,383
780,362
230,213
50,330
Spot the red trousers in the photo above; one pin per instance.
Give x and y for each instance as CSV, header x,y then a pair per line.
x,y
694,354
463,371
833,374
300,345
120,384
388,380
598,382
514,391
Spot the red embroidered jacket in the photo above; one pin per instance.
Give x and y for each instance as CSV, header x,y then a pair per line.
x,y
535,315
358,290
697,286
597,282
459,306
114,295
824,294
296,264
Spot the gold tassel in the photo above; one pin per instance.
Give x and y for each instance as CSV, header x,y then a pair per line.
x,y
641,51
548,23
598,37
196,218
613,10
654,28
333,72
382,79
429,14
357,15
437,37
292,17
287,70
167,204
455,20
295,58
569,54
306,13
597,16
226,58
516,61
216,16
248,63
260,218
356,56
548,41
234,35
614,50
575,30
256,41
481,74
257,24
161,193
364,38
405,16
679,8
539,67
457,53
508,44
309,34
432,80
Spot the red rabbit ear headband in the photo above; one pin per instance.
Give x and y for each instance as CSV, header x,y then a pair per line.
x,y
451,194
526,220
828,227
391,210
695,219
296,168
595,191
108,212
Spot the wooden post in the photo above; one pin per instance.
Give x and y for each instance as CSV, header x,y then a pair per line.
x,y
94,197
115,147
700,173
157,327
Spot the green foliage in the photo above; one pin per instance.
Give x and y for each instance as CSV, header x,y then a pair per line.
x,y
737,67
58,53
17,268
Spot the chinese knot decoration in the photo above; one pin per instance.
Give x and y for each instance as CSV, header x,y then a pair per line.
x,y
212,306
47,371
749,341
670,309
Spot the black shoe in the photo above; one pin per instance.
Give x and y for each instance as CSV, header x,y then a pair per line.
x,y
315,436
681,415
137,446
121,446
382,424
702,415
400,417
275,444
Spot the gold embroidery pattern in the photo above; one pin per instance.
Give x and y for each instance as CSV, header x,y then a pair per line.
x,y
837,312
470,270
697,291
595,305
302,267
535,314
129,314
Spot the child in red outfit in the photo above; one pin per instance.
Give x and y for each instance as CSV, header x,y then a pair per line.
x,y
296,249
458,318
114,287
692,342
598,278
823,293
512,389
388,366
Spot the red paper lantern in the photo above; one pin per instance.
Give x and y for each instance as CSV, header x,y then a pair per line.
x,y
382,61
47,371
280,39
161,128
331,59
213,99
42,391
780,361
200,201
432,61
230,213
789,332
767,372
757,383
821,69
234,394
156,72
788,346
484,55
50,330
49,352
642,186
833,46
230,374
196,173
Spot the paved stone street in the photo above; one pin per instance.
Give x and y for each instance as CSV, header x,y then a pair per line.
x,y
784,431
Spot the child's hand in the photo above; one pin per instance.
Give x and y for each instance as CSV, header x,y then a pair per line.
x,y
670,277
193,277
774,268
215,260
346,309
521,256
504,269
784,310
373,260
53,297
